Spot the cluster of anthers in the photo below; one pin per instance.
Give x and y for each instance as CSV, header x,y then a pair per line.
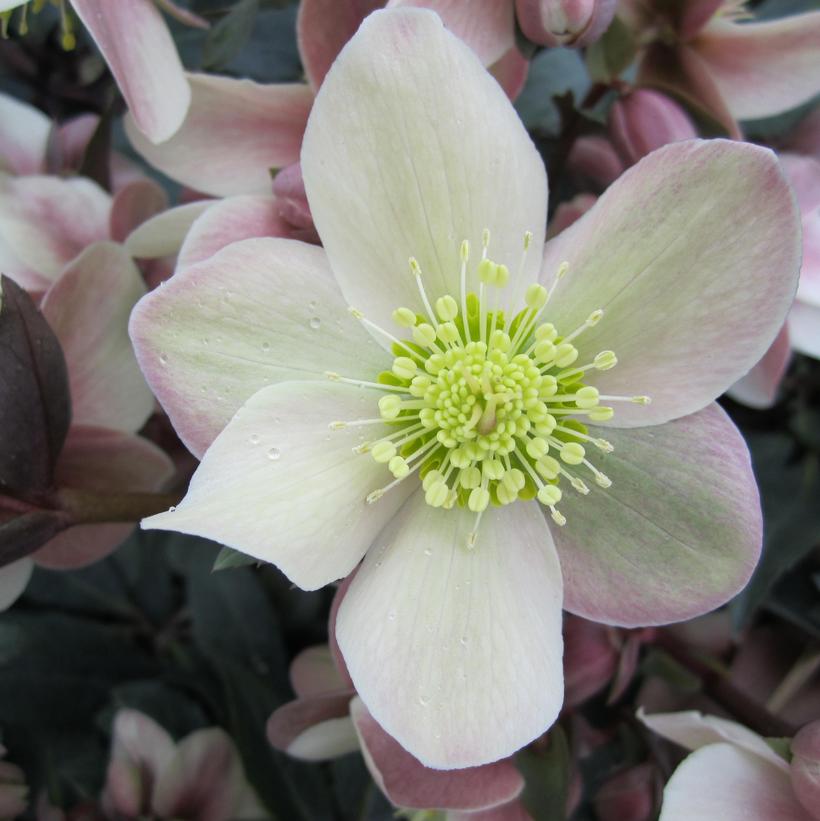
x,y
485,409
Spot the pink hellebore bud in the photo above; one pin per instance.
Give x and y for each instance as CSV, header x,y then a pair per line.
x,y
627,796
590,659
289,189
805,767
564,22
645,120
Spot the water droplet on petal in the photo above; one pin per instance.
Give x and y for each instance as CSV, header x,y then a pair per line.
x,y
428,551
172,509
424,700
315,323
312,304
266,346
463,641
163,358
274,454
254,439
392,615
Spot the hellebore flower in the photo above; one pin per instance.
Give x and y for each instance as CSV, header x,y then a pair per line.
x,y
327,720
706,52
199,779
430,200
733,774
88,308
237,130
139,50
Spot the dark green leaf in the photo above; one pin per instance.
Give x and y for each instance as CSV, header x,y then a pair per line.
x,y
226,39
547,777
613,53
35,405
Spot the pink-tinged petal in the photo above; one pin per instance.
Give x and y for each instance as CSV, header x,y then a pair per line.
x,y
205,780
514,811
693,15
627,796
595,159
258,312
805,767
13,580
510,71
317,728
183,15
663,252
230,220
590,659
338,658
678,532
141,54
457,652
24,132
564,22
105,461
313,672
236,131
645,120
292,204
758,389
88,309
694,730
47,221
408,783
163,235
299,486
425,173
70,141
486,26
133,205
724,783
804,175
763,69
140,751
323,27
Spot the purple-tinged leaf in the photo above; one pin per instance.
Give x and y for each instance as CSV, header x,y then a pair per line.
x,y
35,405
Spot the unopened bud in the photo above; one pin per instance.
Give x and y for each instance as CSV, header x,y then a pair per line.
x,y
564,22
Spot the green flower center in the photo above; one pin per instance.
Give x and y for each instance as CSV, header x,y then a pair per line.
x,y
488,410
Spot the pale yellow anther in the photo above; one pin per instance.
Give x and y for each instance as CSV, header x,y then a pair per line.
x,y
355,312
605,360
485,238
641,400
548,467
604,445
549,386
424,335
546,331
544,351
602,480
486,271
527,240
572,453
404,317
536,448
415,268
374,497
500,341
404,367
470,478
565,354
563,268
587,397
601,414
502,276
579,485
549,495
464,250
536,296
452,498
479,499
383,451
337,425
492,469
446,308
436,494
431,478
389,406
398,467
448,333
594,318
506,494
333,376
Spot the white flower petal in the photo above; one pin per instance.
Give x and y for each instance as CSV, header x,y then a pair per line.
x,y
457,652
399,161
